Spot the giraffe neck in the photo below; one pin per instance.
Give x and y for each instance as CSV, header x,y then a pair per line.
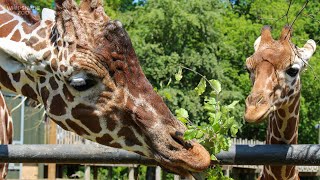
x,y
6,132
283,129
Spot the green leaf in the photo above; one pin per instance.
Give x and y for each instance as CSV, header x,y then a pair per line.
x,y
216,85
178,76
232,105
182,115
190,134
199,135
234,130
213,157
201,88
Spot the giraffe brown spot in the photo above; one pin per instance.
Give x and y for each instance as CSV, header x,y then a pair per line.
x,y
16,77
26,28
41,73
32,41
16,36
58,106
60,57
130,137
45,95
30,77
48,22
275,141
140,153
115,145
87,116
60,43
42,80
55,52
72,59
26,90
291,128
282,113
294,104
63,68
105,139
48,69
57,77
5,18
42,32
53,83
7,28
65,54
5,80
40,46
68,96
47,55
111,123
54,64
290,92
76,128
276,170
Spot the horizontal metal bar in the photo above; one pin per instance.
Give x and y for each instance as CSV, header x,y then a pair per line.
x,y
302,154
70,154
95,154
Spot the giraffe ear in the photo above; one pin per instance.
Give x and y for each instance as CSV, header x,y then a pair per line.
x,y
15,56
48,14
307,50
257,43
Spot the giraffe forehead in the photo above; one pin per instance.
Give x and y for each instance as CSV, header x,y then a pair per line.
x,y
280,55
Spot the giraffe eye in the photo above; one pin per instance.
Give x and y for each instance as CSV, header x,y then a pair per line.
x,y
293,71
82,84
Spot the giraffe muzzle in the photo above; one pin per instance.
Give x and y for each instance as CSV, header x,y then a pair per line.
x,y
257,108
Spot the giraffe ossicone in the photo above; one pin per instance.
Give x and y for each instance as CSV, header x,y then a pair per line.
x,y
275,69
81,65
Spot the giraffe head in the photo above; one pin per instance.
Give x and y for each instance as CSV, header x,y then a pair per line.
x,y
275,70
81,65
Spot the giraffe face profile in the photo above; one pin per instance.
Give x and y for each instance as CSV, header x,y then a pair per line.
x,y
275,69
83,68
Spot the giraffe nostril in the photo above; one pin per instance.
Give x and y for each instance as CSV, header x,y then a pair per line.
x,y
178,137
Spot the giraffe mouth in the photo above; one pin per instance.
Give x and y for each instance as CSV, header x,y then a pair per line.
x,y
186,158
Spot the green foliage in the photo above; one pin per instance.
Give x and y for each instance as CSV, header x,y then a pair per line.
x,y
214,133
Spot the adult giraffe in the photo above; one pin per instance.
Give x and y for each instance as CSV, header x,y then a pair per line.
x,y
275,69
83,68
6,132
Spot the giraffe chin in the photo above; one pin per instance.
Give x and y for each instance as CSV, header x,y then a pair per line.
x,y
186,162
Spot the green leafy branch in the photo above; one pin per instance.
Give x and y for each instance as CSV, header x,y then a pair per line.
x,y
215,133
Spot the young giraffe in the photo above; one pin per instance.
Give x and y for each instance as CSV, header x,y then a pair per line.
x,y
83,68
6,132
275,69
